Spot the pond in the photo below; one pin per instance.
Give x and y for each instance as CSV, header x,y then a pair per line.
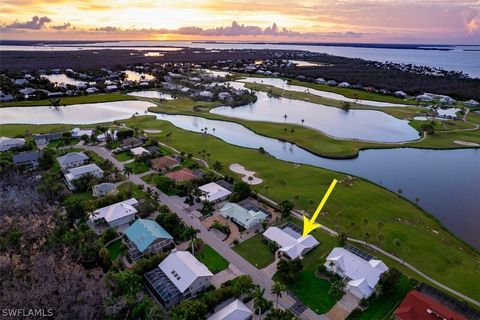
x,y
137,76
369,125
87,113
62,78
446,181
151,94
282,84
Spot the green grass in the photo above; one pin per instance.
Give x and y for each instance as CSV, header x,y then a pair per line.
x,y
82,196
138,167
440,255
214,261
255,251
114,249
123,156
137,193
310,289
60,143
383,307
94,98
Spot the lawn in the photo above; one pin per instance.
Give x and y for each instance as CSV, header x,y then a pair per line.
x,y
347,208
114,249
214,261
94,98
255,251
383,307
81,196
123,156
137,193
310,289
61,143
138,167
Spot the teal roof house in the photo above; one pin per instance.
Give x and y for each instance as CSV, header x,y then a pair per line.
x,y
146,236
248,219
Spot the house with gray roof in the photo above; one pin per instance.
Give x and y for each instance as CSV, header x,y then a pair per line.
x,y
103,189
43,139
27,159
72,160
73,174
147,236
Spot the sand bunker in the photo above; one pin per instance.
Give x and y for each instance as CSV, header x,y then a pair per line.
x,y
466,143
241,170
152,131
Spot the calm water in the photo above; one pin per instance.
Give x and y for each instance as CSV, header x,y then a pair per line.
x,y
151,94
368,125
62,78
87,113
458,59
447,182
137,76
282,84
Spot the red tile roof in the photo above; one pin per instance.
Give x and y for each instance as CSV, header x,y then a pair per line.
x,y
184,174
418,306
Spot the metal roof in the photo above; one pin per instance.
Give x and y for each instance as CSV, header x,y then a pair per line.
x,y
144,232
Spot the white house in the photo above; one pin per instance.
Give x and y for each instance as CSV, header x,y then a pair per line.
x,y
235,310
344,85
78,133
9,143
72,160
138,151
78,172
117,214
248,219
213,192
179,276
109,133
471,103
292,244
424,98
362,275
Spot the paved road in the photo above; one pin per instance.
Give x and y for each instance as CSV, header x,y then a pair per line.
x,y
224,250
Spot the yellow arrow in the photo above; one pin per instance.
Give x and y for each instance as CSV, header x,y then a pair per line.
x,y
310,225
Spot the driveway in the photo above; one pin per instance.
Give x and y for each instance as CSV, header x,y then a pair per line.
x,y
234,232
343,307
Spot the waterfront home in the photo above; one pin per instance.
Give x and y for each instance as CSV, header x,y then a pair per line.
x,y
344,85
179,276
78,133
205,95
108,134
320,81
27,159
248,219
183,174
224,96
145,237
235,310
213,192
111,88
417,305
362,273
72,160
117,214
5,97
9,143
400,94
164,163
332,83
424,98
471,103
73,174
103,189
92,90
292,245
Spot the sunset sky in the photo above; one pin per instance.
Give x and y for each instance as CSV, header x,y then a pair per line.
x,y
389,21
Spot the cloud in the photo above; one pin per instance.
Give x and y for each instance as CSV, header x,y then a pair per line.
x,y
106,29
233,30
36,23
64,26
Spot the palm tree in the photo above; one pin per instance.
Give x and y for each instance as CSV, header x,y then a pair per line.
x,y
259,301
127,171
285,117
250,179
213,129
277,290
303,120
